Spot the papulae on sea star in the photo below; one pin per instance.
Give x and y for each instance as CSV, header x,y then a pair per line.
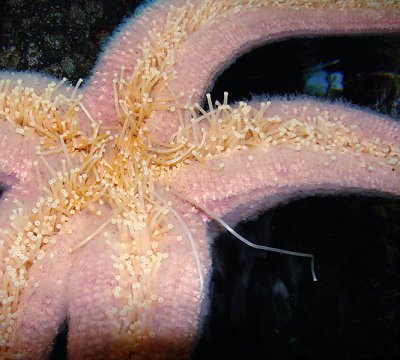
x,y
109,188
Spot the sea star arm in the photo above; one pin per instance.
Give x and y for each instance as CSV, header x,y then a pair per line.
x,y
33,105
294,164
208,35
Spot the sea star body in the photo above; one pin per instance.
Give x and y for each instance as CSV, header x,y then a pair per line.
x,y
109,189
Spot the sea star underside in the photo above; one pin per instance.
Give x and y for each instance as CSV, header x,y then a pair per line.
x,y
108,190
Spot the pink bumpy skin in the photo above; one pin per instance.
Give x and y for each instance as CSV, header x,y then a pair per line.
x,y
101,220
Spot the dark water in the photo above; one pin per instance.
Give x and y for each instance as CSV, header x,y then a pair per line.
x,y
265,305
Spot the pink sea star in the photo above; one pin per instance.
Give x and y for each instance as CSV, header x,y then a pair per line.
x,y
110,189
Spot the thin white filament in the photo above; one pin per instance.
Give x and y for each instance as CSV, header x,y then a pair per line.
x,y
247,242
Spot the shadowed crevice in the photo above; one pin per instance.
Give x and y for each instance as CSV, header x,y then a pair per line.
x,y
60,343
265,305
3,189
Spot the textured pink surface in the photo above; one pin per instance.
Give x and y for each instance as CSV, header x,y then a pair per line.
x,y
246,187
213,46
79,286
